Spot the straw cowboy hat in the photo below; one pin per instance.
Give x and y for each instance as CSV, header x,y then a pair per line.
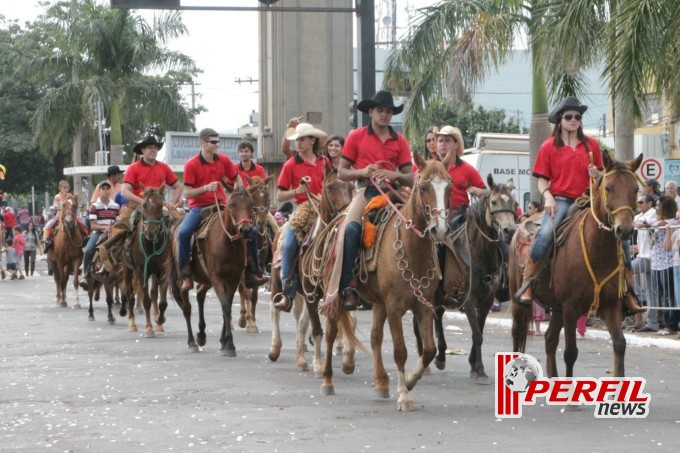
x,y
453,132
381,98
307,130
569,103
149,140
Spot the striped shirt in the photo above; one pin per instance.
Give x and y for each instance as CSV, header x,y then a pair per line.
x,y
104,214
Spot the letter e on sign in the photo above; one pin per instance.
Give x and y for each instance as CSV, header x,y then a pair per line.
x,y
650,168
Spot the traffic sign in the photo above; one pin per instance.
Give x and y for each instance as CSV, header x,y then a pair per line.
x,y
651,169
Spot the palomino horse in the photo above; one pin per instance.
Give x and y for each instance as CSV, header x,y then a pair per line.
x,y
66,252
147,258
217,262
257,187
335,197
586,271
405,278
475,267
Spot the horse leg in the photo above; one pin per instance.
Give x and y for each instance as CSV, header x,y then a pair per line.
x,y
76,280
331,333
440,358
472,313
522,316
162,306
301,324
154,298
108,290
63,283
200,298
185,305
404,402
275,346
143,294
226,298
348,350
419,341
424,317
117,296
251,325
482,310
381,379
570,348
244,302
90,295
317,338
612,317
552,340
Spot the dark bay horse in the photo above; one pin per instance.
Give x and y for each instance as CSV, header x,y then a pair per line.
x,y
217,262
405,279
335,197
591,254
147,258
474,268
66,252
259,191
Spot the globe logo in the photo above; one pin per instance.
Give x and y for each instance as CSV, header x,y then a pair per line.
x,y
521,371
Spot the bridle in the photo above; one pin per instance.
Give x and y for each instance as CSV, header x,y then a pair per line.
x,y
163,229
605,202
232,237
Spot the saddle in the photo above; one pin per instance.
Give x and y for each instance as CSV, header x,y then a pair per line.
x,y
376,214
209,215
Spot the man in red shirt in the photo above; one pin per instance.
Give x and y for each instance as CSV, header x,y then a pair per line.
x,y
247,167
307,164
364,150
147,172
10,221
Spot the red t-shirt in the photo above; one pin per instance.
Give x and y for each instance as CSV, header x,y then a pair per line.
x,y
19,244
140,173
295,169
10,219
566,168
199,172
363,148
463,176
255,170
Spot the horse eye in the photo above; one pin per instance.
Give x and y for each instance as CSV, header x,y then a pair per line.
x,y
330,186
607,189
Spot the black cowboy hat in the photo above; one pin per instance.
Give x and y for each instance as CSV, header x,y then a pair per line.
x,y
568,103
382,98
149,140
113,170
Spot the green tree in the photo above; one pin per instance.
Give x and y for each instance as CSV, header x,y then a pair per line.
x,y
114,57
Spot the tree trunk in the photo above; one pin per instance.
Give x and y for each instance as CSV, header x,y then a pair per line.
x,y
540,127
624,135
58,160
116,133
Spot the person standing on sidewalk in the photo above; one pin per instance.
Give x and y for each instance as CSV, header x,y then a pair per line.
x,y
32,241
19,247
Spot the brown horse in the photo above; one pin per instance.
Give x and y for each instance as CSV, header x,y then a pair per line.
x,y
109,282
475,266
217,262
590,254
147,258
335,197
259,191
66,252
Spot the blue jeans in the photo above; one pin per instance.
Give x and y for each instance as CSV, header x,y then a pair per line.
x,y
189,226
289,275
546,234
350,253
665,290
89,250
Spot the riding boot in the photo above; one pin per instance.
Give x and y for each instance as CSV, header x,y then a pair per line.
x,y
187,284
282,302
530,268
630,301
105,259
350,297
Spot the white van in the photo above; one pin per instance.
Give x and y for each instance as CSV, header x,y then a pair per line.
x,y
504,156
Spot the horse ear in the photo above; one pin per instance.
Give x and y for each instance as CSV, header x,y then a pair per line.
x,y
249,180
268,178
607,161
418,160
635,163
489,181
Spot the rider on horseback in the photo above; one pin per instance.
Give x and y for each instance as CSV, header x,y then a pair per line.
x,y
59,200
202,176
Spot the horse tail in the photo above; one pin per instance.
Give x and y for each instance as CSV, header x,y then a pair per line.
x,y
522,315
171,271
346,326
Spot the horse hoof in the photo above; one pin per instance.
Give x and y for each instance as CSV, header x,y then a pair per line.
x,y
112,321
132,329
440,364
90,318
193,348
427,371
327,390
482,380
63,304
242,323
149,334
303,367
382,393
274,356
406,406
159,328
228,353
77,307
474,374
201,340
252,329
347,369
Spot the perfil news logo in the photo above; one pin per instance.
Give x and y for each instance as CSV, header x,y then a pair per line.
x,y
519,381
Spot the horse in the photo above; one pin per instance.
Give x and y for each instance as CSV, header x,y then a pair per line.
x,y
586,272
146,258
405,278
109,282
217,262
259,191
66,252
335,197
474,269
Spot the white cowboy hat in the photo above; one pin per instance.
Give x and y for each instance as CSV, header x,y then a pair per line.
x,y
307,130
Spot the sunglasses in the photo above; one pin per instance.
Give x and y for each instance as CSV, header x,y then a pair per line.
x,y
570,117
214,142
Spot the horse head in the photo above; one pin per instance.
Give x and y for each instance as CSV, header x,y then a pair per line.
x,y
500,214
69,212
259,192
616,193
432,192
152,212
336,194
240,211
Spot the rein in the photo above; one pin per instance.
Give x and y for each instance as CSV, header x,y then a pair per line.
x,y
408,224
155,251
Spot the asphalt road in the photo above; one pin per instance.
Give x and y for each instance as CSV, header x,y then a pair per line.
x,y
67,384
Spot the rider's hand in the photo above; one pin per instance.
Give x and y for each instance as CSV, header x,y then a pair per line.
x,y
294,122
549,205
593,172
385,175
211,187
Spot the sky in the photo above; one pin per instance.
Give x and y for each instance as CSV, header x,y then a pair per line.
x,y
223,44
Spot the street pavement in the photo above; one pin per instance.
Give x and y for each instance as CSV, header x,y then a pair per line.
x,y
67,384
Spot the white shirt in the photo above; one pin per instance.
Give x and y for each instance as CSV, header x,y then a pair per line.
x,y
644,235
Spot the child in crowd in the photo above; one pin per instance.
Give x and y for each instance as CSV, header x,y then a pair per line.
x,y
19,247
11,259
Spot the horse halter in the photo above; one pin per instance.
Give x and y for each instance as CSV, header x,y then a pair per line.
x,y
232,237
605,203
428,210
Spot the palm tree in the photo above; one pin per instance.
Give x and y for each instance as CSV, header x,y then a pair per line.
x,y
113,57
